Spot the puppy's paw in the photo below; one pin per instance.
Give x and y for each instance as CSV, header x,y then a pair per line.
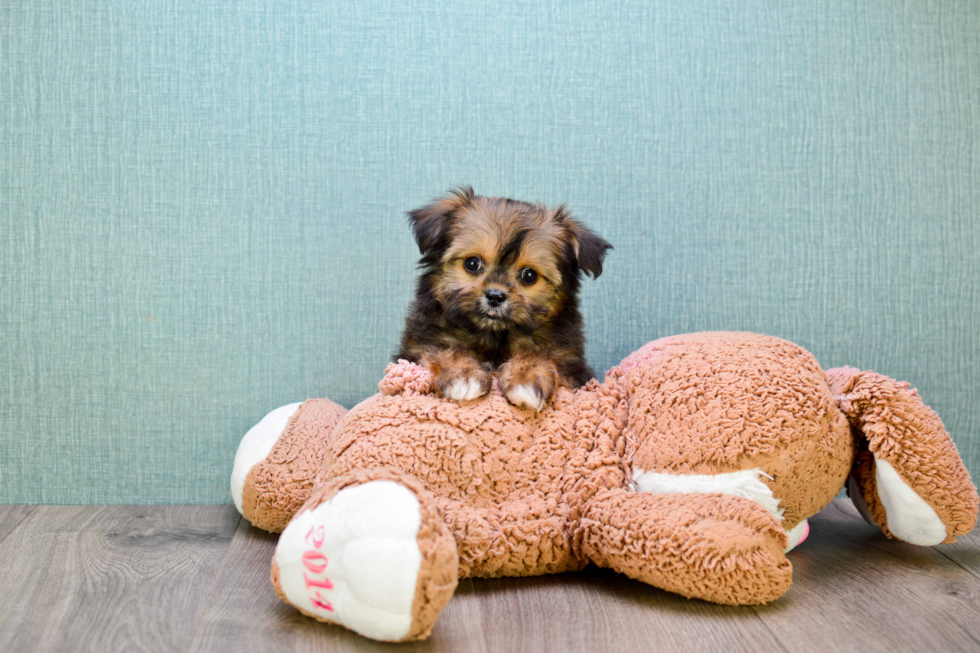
x,y
527,396
464,388
460,378
529,383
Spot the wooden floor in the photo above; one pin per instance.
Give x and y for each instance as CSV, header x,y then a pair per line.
x,y
196,578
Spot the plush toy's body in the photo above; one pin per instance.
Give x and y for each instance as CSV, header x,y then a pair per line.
x,y
692,467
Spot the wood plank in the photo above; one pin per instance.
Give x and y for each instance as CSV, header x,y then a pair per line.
x,y
11,517
965,552
110,578
599,610
855,590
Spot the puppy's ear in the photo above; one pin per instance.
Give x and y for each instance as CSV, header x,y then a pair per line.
x,y
588,248
430,224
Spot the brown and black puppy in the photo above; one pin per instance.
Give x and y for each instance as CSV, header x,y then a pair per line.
x,y
498,291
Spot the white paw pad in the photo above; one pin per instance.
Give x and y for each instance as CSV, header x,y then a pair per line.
x,y
525,396
354,560
464,389
796,535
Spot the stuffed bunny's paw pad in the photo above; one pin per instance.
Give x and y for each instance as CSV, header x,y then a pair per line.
x,y
796,535
354,559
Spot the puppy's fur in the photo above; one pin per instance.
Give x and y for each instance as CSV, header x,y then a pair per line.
x,y
498,291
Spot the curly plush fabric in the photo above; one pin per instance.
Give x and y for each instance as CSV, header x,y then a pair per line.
x,y
277,487
403,378
684,469
506,481
720,548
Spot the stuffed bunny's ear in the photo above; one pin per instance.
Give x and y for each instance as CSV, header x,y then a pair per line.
x,y
908,477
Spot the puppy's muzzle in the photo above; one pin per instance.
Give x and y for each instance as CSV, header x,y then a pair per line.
x,y
495,297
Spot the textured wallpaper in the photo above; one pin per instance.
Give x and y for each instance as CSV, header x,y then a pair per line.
x,y
202,202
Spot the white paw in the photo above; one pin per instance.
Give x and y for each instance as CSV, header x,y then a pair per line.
x,y
464,389
526,396
354,560
256,445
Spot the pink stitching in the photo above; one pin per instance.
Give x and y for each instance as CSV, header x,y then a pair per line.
x,y
325,583
317,536
308,559
316,562
320,603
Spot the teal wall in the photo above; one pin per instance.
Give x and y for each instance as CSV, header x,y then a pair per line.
x,y
202,202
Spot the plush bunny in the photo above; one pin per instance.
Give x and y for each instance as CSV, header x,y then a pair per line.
x,y
693,467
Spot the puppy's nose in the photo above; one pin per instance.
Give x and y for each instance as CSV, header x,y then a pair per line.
x,y
495,297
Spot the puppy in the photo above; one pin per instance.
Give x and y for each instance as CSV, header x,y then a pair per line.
x,y
498,292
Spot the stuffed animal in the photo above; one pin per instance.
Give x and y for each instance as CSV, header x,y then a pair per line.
x,y
693,467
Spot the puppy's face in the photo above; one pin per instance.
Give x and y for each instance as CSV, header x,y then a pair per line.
x,y
498,264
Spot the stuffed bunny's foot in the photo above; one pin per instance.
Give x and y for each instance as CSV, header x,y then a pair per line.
x,y
366,558
256,445
278,459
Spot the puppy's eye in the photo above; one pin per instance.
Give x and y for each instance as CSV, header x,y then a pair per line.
x,y
528,276
473,264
